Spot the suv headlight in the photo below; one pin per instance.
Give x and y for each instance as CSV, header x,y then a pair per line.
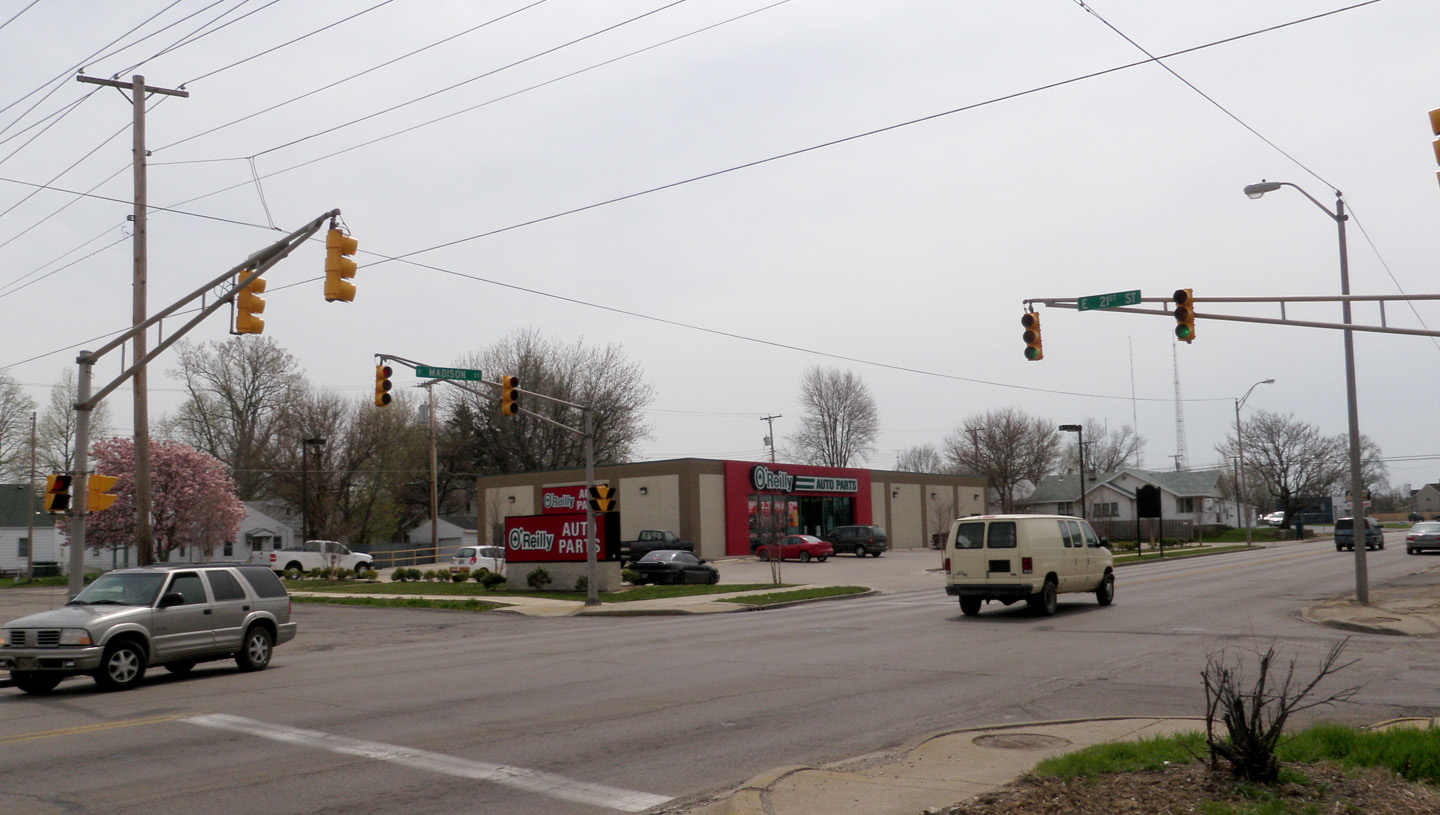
x,y
4,637
75,636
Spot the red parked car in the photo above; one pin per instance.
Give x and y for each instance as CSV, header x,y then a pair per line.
x,y
803,548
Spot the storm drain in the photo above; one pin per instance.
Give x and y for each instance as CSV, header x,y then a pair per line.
x,y
1019,741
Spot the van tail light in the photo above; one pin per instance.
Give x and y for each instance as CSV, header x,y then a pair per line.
x,y
1026,565
273,556
947,564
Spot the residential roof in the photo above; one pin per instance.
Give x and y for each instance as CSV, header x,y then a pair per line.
x,y
13,499
1066,486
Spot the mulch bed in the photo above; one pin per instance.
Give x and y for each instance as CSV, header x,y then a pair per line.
x,y
1183,787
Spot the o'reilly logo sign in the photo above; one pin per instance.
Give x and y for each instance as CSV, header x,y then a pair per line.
x,y
764,478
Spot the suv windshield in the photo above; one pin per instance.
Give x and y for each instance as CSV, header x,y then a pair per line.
x,y
121,589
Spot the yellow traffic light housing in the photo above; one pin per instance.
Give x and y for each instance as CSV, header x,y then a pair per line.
x,y
339,267
383,385
1435,128
249,305
1184,315
603,499
1033,349
97,492
57,493
509,395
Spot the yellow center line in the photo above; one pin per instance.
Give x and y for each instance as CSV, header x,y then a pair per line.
x,y
91,728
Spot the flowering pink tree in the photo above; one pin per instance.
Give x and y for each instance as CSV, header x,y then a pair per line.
x,y
194,503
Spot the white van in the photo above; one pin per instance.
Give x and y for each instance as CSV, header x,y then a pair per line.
x,y
1033,558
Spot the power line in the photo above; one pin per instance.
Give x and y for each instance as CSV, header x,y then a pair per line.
x,y
284,44
18,13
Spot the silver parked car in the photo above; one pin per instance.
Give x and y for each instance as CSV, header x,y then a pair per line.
x,y
173,615
1422,536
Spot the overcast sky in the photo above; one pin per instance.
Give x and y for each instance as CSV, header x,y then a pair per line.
x,y
935,163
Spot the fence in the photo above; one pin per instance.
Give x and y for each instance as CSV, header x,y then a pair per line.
x,y
1182,529
386,557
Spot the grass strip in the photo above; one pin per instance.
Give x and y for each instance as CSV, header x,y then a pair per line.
x,y
1411,752
402,602
812,593
472,589
1176,554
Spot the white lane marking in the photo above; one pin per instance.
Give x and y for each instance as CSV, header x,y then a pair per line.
x,y
520,778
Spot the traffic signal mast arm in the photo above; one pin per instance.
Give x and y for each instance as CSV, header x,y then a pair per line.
x,y
241,275
1073,303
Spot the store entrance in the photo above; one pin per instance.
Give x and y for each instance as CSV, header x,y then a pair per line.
x,y
821,514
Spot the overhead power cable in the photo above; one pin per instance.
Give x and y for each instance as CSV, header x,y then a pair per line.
x,y
284,44
251,116
17,14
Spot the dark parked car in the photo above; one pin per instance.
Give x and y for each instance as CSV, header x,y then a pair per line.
x,y
803,548
1422,536
1345,534
673,567
859,540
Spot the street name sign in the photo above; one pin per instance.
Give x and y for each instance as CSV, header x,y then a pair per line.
x,y
462,374
1113,300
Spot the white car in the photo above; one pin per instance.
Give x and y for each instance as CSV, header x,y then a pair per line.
x,y
479,559
1274,518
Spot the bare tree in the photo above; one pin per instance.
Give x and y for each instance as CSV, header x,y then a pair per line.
x,y
15,410
239,391
1107,450
1294,463
840,419
922,458
1008,447
483,441
56,446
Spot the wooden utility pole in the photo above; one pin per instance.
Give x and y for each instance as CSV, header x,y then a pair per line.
x,y
144,534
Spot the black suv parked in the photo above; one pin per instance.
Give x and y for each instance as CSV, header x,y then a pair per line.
x,y
862,540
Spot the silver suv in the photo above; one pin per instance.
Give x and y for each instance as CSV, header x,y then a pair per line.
x,y
173,615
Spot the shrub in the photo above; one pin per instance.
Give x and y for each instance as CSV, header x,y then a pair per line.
x,y
399,575
538,579
322,573
293,574
412,574
628,576
582,583
342,574
460,576
479,574
492,580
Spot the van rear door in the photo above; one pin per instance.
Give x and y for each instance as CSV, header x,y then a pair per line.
x,y
967,550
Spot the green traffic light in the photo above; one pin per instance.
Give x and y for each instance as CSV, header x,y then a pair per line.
x,y
1032,353
1184,332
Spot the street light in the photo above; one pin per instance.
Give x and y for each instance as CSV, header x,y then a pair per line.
x,y
1240,459
1362,589
1079,431
305,485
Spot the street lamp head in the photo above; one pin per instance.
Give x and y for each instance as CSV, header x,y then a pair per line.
x,y
1267,382
1257,190
1071,428
314,441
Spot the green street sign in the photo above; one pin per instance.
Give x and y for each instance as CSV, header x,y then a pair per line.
x,y
462,374
1115,300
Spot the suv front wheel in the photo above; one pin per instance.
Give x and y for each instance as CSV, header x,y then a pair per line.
x,y
122,667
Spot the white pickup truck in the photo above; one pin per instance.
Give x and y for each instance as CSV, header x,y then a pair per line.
x,y
314,555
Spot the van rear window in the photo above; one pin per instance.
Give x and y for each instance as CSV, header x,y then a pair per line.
x,y
1002,535
969,536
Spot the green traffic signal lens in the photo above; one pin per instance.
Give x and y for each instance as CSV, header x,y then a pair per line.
x,y
1032,353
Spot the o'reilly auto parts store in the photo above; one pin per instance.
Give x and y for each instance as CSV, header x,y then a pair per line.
x,y
725,506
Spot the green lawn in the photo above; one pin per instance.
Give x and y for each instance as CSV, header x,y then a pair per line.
x,y
1171,554
471,589
799,594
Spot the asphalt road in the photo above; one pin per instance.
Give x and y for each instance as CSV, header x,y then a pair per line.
x,y
397,711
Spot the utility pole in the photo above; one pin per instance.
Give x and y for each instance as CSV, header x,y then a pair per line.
x,y
144,534
775,562
434,472
30,504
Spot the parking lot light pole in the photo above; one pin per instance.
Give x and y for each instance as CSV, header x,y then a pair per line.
x,y
1079,431
1357,492
1240,460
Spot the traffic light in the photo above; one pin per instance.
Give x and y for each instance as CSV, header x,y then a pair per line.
x,y
509,395
339,268
97,492
1033,349
382,384
1435,128
602,499
1184,315
57,493
250,304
